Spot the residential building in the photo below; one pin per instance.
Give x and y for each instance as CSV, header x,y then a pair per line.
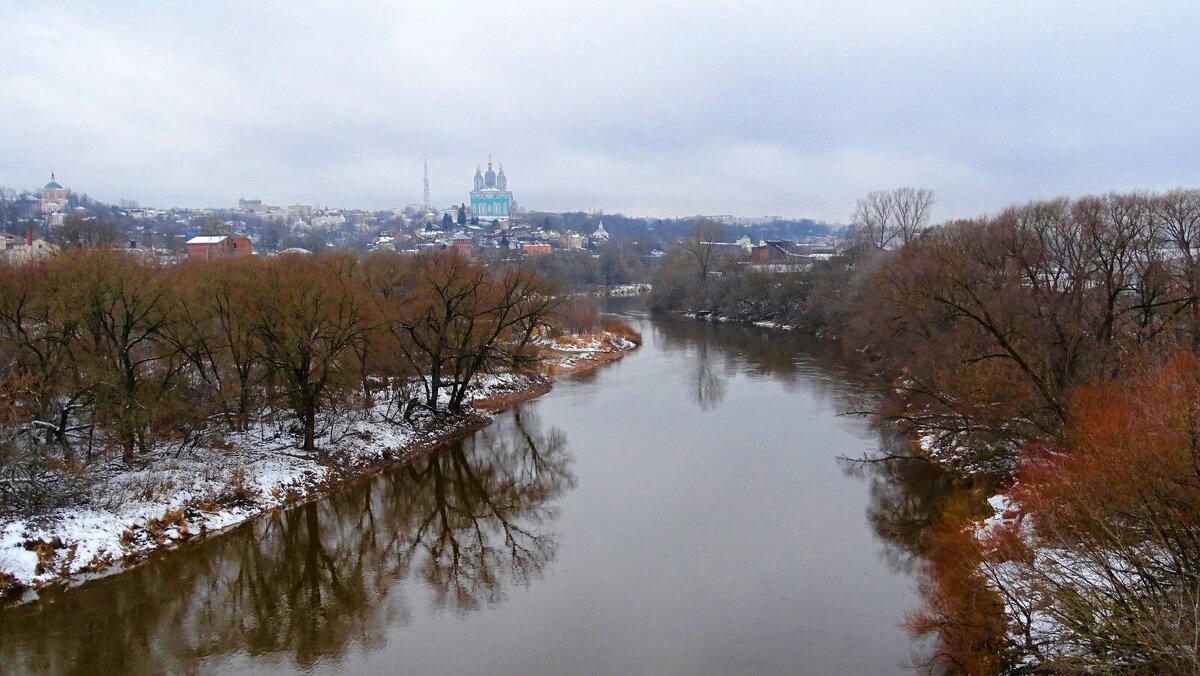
x,y
218,247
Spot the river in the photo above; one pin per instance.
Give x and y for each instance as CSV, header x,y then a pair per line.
x,y
683,511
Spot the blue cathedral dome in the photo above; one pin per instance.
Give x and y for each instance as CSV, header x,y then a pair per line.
x,y
53,184
491,199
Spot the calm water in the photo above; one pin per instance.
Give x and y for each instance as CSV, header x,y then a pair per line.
x,y
680,512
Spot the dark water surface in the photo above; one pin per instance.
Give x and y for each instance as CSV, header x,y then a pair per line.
x,y
680,512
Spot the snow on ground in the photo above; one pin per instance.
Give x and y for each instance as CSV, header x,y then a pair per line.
x,y
575,351
1022,584
176,494
774,325
627,290
956,451
723,319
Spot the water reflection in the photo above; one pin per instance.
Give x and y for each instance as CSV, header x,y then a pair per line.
x,y
715,353
909,496
784,578
910,499
308,584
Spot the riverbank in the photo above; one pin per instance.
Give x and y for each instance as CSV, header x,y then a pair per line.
x,y
175,494
720,319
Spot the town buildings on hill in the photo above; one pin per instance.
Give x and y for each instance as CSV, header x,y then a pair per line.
x,y
488,220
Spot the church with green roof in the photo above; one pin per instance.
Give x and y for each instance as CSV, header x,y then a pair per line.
x,y
491,198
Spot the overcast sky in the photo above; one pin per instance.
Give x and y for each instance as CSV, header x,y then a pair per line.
x,y
640,107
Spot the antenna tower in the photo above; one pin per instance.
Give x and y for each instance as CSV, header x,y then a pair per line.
x,y
427,204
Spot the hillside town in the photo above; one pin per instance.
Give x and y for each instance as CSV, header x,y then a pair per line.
x,y
487,221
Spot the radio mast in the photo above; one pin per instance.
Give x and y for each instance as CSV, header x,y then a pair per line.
x,y
428,206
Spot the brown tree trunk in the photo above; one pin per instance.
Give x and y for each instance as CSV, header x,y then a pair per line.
x,y
310,429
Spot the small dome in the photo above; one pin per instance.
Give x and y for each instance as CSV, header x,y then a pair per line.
x,y
53,184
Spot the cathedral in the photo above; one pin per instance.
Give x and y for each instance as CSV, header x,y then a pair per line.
x,y
491,197
54,197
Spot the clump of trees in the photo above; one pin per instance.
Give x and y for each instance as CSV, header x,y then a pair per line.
x,y
1052,344
690,275
618,262
988,325
106,354
888,218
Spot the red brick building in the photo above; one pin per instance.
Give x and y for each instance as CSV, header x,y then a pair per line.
x,y
462,246
218,247
536,249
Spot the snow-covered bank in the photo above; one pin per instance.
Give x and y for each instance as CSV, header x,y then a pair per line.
x,y
721,319
626,290
176,494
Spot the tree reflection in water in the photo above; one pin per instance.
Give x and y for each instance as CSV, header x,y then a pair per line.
x,y
908,496
714,353
310,583
911,498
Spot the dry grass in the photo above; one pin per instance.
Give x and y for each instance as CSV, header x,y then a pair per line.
x,y
621,329
237,492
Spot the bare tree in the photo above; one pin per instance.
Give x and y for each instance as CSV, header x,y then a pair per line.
x,y
885,218
873,219
309,320
700,247
466,321
1176,217
87,232
910,211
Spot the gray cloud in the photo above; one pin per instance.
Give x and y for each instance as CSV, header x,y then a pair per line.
x,y
649,108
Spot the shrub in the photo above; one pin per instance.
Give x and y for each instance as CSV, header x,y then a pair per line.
x,y
577,314
622,330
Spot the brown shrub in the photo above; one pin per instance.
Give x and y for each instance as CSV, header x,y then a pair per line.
x,y
577,314
621,329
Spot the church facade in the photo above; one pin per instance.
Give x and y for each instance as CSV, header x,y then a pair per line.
x,y
491,198
54,197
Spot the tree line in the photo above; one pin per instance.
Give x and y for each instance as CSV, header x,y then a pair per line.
x,y
109,355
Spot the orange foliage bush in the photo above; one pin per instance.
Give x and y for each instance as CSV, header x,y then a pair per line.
x,y
1114,573
1133,466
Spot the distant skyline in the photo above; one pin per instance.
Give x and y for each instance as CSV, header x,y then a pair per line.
x,y
648,108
